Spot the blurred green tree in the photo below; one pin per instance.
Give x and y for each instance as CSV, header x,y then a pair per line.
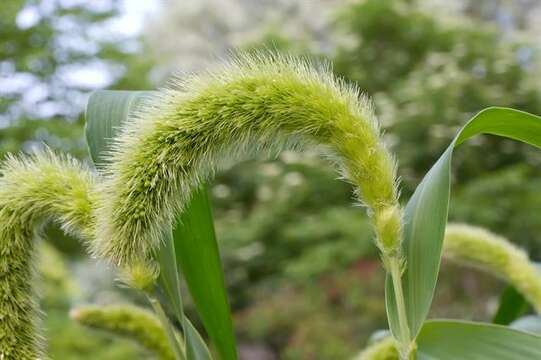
x,y
428,75
52,54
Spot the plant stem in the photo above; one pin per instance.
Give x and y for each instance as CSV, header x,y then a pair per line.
x,y
169,330
404,343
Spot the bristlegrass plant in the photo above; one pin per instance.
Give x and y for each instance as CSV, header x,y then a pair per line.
x,y
253,104
487,252
33,191
128,321
149,215
494,254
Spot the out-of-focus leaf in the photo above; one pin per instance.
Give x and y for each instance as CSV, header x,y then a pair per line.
x,y
169,279
196,349
452,340
105,113
512,306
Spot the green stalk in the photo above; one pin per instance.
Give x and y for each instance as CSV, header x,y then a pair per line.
x,y
405,345
173,340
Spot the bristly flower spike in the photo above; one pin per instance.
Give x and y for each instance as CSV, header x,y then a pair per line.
x,y
133,322
488,252
496,255
34,190
257,103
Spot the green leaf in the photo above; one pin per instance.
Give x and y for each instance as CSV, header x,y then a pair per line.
x,y
169,280
425,215
105,112
452,340
196,349
198,256
425,218
172,338
512,306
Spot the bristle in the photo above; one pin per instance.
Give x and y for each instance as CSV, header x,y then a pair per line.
x,y
488,252
251,104
496,255
34,189
135,323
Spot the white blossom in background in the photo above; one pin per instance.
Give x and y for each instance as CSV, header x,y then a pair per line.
x,y
509,15
188,35
453,7
534,22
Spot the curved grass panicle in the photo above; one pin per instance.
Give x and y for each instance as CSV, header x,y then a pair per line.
x,y
252,104
480,248
494,254
33,190
130,321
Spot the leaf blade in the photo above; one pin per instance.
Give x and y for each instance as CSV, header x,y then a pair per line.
x,y
196,349
512,306
451,340
425,215
198,256
105,112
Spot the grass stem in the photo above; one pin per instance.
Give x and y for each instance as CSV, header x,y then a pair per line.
x,y
168,327
404,342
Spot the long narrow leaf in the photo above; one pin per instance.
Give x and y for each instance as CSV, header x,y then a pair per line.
x,y
452,340
196,349
169,280
425,218
425,215
174,342
106,110
199,259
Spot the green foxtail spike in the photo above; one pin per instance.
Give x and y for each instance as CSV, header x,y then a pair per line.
x,y
33,190
129,321
253,104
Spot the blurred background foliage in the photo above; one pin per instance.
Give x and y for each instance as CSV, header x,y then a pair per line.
x,y
304,278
